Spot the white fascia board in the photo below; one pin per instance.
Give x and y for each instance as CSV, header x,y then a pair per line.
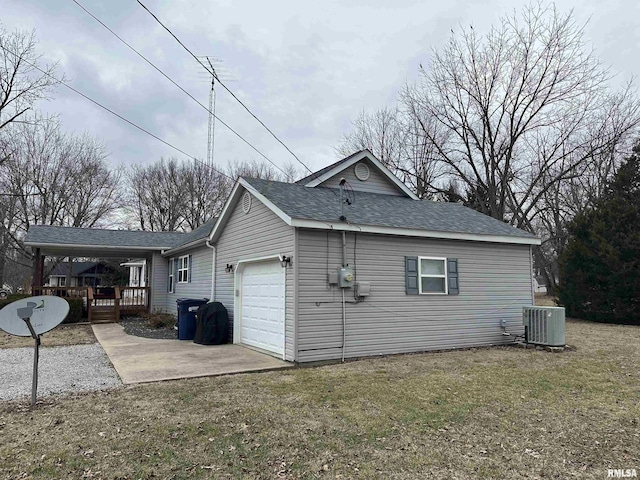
x,y
408,232
95,247
283,216
231,202
355,159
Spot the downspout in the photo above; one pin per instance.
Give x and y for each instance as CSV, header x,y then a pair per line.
x,y
344,248
344,264
533,294
213,271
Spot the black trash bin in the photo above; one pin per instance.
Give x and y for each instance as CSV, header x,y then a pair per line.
x,y
212,324
187,308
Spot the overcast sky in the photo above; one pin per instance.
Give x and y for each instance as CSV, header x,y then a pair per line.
x,y
305,68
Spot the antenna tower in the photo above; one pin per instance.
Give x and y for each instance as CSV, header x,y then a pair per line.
x,y
212,74
212,118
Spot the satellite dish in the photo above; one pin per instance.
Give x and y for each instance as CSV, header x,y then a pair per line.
x,y
46,312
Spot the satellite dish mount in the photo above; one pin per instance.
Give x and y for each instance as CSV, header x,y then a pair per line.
x,y
31,317
28,311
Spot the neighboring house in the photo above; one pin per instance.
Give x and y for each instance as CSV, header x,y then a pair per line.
x,y
83,274
425,275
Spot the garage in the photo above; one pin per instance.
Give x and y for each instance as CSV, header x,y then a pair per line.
x,y
263,306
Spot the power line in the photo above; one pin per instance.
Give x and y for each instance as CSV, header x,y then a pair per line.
x,y
20,194
95,102
177,85
223,85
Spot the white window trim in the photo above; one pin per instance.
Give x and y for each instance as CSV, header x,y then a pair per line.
x,y
172,278
445,276
185,269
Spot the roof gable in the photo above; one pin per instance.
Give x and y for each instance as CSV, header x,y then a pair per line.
x,y
374,180
325,177
242,185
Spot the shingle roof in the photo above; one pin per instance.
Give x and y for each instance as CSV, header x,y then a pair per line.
x,y
199,233
43,234
47,234
373,209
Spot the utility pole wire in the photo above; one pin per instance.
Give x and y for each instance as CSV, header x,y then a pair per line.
x,y
177,85
117,114
223,85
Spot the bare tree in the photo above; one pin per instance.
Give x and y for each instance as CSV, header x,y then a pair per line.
x,y
521,123
381,132
61,179
158,196
524,107
21,83
53,179
395,139
21,86
170,195
206,191
256,169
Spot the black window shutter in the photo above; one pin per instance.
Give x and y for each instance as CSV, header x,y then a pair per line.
x,y
452,276
169,273
176,275
189,271
411,275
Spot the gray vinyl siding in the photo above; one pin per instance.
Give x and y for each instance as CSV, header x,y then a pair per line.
x,y
199,287
377,182
259,233
495,282
201,276
158,282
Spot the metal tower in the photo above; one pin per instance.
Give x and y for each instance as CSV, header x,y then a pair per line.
x,y
212,118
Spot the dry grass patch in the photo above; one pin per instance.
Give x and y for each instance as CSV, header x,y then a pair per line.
x,y
60,336
543,300
485,413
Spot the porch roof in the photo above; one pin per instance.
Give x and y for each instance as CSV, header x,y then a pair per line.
x,y
95,242
100,242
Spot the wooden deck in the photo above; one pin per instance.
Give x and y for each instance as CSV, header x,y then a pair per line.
x,y
104,304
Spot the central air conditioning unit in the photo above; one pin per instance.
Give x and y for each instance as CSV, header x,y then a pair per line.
x,y
544,325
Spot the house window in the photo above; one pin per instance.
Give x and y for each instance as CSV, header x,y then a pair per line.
x,y
183,269
171,275
62,282
432,275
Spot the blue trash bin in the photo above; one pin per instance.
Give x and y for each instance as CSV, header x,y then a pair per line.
x,y
187,308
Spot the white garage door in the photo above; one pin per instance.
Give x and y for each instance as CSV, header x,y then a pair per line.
x,y
263,306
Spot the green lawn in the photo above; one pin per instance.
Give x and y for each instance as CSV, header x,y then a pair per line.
x,y
484,413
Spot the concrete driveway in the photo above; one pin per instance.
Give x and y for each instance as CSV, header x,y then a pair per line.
x,y
141,360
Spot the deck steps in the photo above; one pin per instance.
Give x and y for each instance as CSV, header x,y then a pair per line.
x,y
103,315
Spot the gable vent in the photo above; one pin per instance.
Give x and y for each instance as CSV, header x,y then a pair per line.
x,y
246,202
362,171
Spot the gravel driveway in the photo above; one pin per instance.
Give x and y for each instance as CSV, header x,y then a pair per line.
x,y
78,368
